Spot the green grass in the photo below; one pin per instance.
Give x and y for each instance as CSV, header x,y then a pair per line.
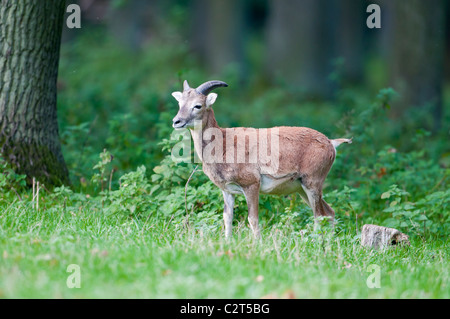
x,y
152,258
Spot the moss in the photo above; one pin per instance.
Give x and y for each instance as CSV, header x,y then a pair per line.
x,y
37,161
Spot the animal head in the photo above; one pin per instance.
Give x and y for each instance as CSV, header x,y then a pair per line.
x,y
194,103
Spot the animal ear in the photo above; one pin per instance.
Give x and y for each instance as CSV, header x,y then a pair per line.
x,y
210,99
177,95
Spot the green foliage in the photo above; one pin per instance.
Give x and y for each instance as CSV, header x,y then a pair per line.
x,y
429,214
367,176
10,182
105,103
133,196
101,166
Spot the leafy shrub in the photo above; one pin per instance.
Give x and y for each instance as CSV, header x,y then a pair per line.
x,y
133,196
429,214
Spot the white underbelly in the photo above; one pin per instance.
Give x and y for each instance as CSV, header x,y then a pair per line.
x,y
280,185
234,188
271,185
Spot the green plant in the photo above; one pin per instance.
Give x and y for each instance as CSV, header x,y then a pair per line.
x,y
10,182
133,196
428,215
102,177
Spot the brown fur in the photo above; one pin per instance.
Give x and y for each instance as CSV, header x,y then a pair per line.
x,y
305,158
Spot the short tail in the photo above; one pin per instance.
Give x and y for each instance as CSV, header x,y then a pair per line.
x,y
339,141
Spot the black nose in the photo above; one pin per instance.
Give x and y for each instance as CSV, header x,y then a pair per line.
x,y
178,122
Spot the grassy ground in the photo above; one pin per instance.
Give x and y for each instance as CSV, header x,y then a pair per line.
x,y
121,258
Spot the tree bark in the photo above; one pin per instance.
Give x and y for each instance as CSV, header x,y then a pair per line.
x,y
30,37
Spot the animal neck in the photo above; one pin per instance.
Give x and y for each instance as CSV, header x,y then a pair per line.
x,y
208,122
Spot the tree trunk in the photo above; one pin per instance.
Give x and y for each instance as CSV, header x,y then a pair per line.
x,y
218,33
130,22
350,32
301,44
30,37
417,41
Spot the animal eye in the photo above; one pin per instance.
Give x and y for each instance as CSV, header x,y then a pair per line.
x,y
198,107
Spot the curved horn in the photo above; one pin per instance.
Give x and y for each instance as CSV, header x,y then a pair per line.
x,y
186,85
207,87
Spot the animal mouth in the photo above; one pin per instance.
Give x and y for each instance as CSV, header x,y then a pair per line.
x,y
179,126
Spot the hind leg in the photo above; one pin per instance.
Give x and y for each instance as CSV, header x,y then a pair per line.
x,y
304,196
329,211
252,197
316,202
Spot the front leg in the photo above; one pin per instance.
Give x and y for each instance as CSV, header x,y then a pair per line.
x,y
251,193
228,212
